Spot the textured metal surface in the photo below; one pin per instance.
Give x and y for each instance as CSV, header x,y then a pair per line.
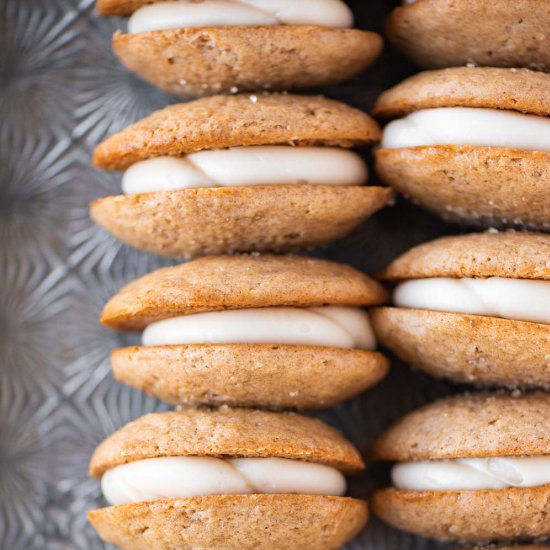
x,y
61,91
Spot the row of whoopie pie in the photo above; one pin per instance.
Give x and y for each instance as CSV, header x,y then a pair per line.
x,y
224,333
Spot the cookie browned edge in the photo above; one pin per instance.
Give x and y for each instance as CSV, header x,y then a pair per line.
x,y
519,90
516,513
467,348
201,61
248,522
519,255
278,376
227,432
485,185
221,122
218,283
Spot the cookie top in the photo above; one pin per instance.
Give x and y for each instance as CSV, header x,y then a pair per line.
x,y
219,122
121,8
491,254
237,282
227,432
472,425
494,88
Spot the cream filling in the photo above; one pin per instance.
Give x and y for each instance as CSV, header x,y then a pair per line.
x,y
216,13
472,473
469,126
518,299
180,477
341,327
244,166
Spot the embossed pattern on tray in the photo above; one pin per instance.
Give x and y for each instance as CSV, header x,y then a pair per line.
x,y
61,91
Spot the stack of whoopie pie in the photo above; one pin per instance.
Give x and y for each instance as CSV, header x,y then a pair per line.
x,y
470,141
232,341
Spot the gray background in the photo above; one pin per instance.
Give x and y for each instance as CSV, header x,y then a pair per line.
x,y
61,91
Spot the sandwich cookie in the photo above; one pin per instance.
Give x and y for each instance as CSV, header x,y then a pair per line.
x,y
500,33
470,144
473,308
239,173
272,331
193,49
470,468
234,479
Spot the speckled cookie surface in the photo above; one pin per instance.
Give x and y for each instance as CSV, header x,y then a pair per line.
x,y
248,522
446,33
471,425
249,374
237,282
227,432
486,87
232,121
199,222
482,185
195,62
507,254
467,348
472,516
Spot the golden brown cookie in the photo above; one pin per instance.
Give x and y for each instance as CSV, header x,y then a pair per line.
x,y
272,375
476,426
246,374
517,255
238,282
519,90
501,33
467,348
227,432
247,522
198,222
483,185
232,521
470,348
221,122
195,62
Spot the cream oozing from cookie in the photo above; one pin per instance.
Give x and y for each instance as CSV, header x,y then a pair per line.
x,y
517,299
215,13
180,477
469,126
472,473
246,166
341,327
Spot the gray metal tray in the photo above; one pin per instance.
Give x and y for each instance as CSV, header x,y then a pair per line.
x,y
61,91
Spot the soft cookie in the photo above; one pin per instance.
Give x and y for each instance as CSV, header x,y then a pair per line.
x,y
499,33
473,308
470,144
275,331
470,468
239,173
234,479
193,49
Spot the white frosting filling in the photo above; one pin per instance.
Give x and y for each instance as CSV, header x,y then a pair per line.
x,y
472,473
180,477
215,13
341,327
243,166
519,299
469,126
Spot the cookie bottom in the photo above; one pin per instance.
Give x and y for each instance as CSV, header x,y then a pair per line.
x,y
467,348
195,62
482,185
197,222
469,516
270,522
302,377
